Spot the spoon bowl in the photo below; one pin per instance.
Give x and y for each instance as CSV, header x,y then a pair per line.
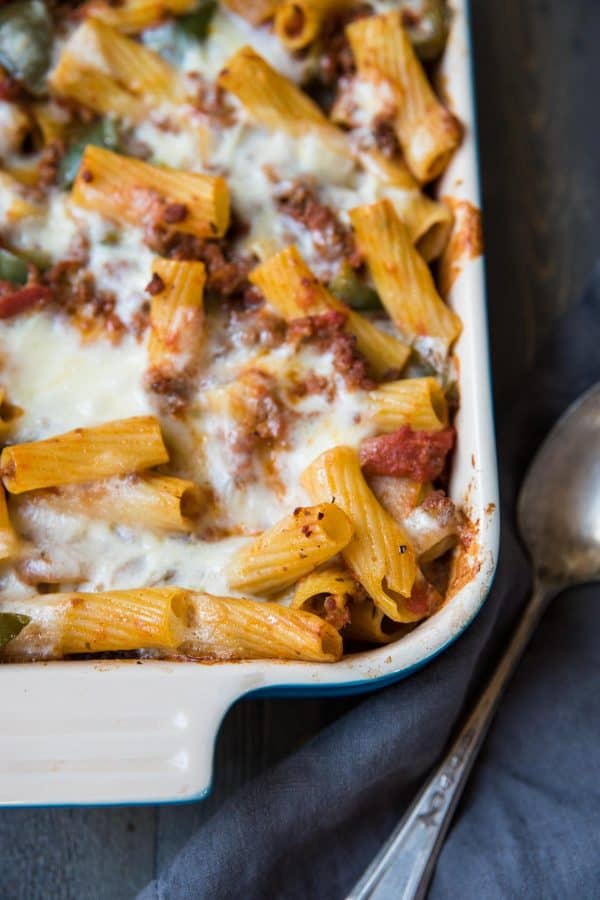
x,y
559,502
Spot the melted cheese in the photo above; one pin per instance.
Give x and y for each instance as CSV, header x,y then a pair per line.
x,y
61,383
52,232
228,33
96,556
120,263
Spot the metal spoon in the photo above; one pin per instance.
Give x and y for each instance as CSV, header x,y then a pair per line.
x,y
559,521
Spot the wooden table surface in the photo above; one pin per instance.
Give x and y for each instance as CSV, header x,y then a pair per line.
x,y
538,81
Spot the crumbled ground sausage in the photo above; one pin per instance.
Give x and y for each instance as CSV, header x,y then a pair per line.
x,y
174,212
336,59
312,384
262,421
332,239
327,332
335,612
73,290
10,88
49,163
226,269
172,391
140,320
212,101
385,136
156,285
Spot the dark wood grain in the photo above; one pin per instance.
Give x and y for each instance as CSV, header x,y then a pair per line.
x,y
538,80
537,70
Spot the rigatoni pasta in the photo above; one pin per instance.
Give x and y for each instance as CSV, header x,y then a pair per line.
x,y
418,402
114,448
227,628
290,286
291,548
176,314
402,278
429,221
111,73
254,11
131,16
121,620
367,623
128,189
276,102
8,539
329,581
227,387
77,622
428,133
299,22
149,501
380,553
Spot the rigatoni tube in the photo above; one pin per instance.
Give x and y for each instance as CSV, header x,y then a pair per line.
x,y
155,502
427,131
369,623
131,16
418,402
227,628
173,621
290,286
380,554
112,74
299,22
85,454
291,548
109,621
8,539
176,314
275,102
429,221
402,277
433,526
294,291
327,592
254,11
122,188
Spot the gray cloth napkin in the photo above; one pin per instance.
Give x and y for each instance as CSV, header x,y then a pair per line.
x,y
529,824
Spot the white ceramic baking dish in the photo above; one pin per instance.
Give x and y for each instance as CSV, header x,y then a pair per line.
x,y
132,732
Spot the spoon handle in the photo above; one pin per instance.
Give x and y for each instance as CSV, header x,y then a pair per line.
x,y
403,867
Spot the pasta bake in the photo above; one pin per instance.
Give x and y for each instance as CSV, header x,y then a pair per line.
x,y
226,376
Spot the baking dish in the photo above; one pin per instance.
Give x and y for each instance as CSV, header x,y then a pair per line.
x,y
133,731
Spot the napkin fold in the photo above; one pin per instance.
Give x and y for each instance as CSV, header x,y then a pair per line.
x,y
528,825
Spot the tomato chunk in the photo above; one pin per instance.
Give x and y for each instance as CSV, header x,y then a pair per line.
x,y
16,302
420,455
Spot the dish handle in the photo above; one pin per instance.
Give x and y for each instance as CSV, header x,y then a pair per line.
x,y
116,732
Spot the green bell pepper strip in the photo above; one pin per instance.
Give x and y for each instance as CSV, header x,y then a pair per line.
x,y
26,34
11,624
